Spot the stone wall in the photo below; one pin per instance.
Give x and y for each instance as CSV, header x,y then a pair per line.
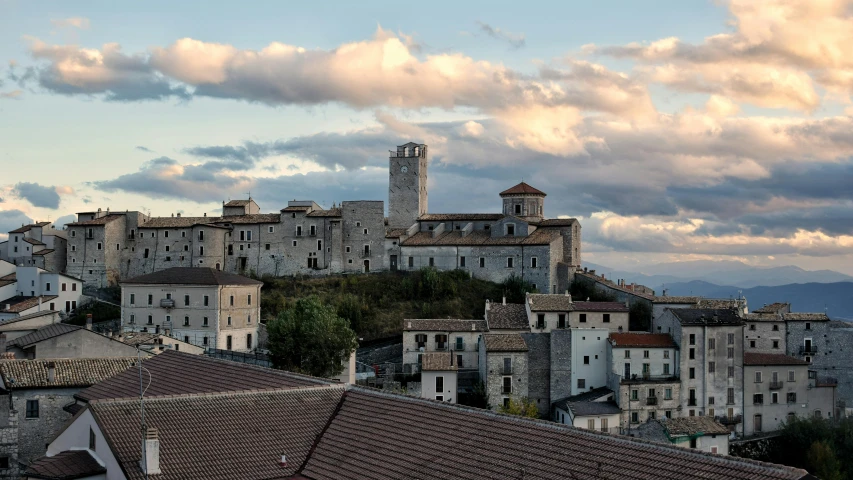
x,y
35,433
539,371
561,364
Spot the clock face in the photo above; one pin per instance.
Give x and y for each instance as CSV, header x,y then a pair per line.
x,y
404,169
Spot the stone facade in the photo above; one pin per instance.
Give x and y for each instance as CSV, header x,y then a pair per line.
x,y
458,336
33,434
407,186
765,333
539,371
492,373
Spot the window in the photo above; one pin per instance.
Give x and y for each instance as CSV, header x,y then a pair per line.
x,y
776,344
431,261
808,326
73,287
691,398
186,339
635,394
132,299
775,328
635,417
692,440
73,234
581,383
462,262
752,327
666,369
582,318
692,354
132,319
32,409
228,342
627,354
92,439
186,300
731,339
645,354
229,321
561,320
166,233
712,343
758,399
249,299
790,375
791,416
692,372
540,320
206,300
271,229
100,246
145,253
692,339
710,400
774,398
533,262
509,262
586,359
204,341
757,377
201,235
439,384
204,322
667,413
482,262
752,344
507,386
590,424
666,354
667,394
730,396
73,248
232,300
712,367
792,397
510,229
730,353
186,321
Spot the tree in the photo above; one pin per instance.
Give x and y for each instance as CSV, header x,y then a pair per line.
x,y
310,337
515,289
823,462
523,408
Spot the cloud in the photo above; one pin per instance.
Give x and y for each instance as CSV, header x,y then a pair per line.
x,y
11,95
513,39
12,219
74,22
62,221
143,149
37,195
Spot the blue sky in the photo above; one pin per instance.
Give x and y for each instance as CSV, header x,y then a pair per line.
x,y
674,130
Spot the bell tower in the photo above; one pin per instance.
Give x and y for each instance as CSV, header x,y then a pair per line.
x,y
407,185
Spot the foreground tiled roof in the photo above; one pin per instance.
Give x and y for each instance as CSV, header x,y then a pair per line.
x,y
384,436
192,276
641,340
460,217
549,303
522,188
600,307
481,238
65,466
296,208
28,317
586,404
27,228
176,373
437,362
252,218
763,317
20,303
220,436
693,425
98,221
69,372
594,394
395,232
504,342
512,316
706,316
44,252
750,358
43,333
443,325
718,303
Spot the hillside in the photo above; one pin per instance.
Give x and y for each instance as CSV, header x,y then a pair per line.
x,y
376,303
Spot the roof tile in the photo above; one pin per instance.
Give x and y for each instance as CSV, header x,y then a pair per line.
x,y
69,372
191,276
504,342
522,188
443,325
641,340
511,316
65,466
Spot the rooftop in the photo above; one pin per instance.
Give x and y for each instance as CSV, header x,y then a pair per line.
x,y
69,372
558,222
332,212
693,425
549,303
252,218
511,316
191,276
176,373
652,340
21,303
460,217
589,397
581,409
480,237
522,189
176,222
706,316
44,251
443,325
238,203
98,221
677,300
28,317
43,333
437,362
504,342
27,228
600,307
750,358
805,317
69,465
33,241
778,307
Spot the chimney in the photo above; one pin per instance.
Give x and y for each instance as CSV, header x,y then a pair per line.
x,y
488,304
627,304
205,214
51,372
8,306
173,214
2,342
410,325
39,304
473,327
504,300
150,462
283,462
88,321
179,214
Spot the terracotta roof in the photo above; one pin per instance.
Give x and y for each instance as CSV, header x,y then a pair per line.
x,y
777,307
98,221
706,316
237,203
800,317
600,307
558,222
177,373
653,340
504,342
191,276
375,435
750,358
298,208
3,283
73,408
27,228
68,465
677,300
43,333
395,232
481,238
20,303
44,252
459,217
332,212
33,241
549,303
177,222
443,325
220,436
11,276
693,425
763,317
512,316
253,218
522,188
69,372
437,362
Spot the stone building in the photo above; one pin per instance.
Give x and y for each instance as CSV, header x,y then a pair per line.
x,y
711,361
460,337
36,245
202,306
38,391
699,433
504,368
644,373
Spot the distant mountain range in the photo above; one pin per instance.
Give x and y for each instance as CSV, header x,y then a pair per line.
x,y
807,291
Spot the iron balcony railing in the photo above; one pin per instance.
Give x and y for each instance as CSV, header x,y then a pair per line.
x,y
776,385
808,350
730,419
441,346
651,400
459,346
167,303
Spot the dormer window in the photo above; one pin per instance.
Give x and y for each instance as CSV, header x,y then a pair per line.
x,y
510,229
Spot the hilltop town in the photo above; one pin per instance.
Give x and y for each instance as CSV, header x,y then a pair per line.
x,y
620,382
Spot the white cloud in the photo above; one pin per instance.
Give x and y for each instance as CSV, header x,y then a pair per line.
x,y
73,22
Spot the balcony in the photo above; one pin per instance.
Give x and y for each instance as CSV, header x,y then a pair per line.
x,y
651,400
506,371
167,303
441,347
542,325
459,346
649,378
730,420
776,385
364,254
691,402
506,390
826,381
808,350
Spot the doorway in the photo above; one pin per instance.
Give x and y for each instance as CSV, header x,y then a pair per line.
x,y
367,266
393,263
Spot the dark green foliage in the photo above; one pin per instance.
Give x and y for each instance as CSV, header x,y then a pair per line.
x,y
581,290
515,289
477,399
640,317
310,337
375,304
101,312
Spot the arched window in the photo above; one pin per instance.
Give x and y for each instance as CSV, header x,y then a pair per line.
x,y
417,151
218,267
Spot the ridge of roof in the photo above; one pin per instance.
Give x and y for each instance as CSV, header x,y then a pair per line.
x,y
191,276
522,188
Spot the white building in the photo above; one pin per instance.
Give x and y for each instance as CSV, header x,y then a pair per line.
x,y
699,433
439,377
442,335
202,306
593,410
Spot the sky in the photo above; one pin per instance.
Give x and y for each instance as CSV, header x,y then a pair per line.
x,y
673,130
